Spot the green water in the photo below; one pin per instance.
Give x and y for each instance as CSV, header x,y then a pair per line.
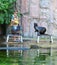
x,y
29,57
12,59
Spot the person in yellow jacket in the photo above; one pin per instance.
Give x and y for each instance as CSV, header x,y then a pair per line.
x,y
14,19
15,24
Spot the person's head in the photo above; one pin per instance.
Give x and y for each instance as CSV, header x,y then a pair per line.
x,y
15,12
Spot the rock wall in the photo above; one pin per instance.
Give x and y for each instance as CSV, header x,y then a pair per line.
x,y
44,12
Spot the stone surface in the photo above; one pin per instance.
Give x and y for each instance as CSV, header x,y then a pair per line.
x,y
44,11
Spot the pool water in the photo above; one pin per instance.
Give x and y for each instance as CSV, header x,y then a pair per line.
x,y
28,57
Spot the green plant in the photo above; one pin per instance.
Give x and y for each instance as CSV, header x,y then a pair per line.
x,y
6,10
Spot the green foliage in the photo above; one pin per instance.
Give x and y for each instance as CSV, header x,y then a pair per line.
x,y
6,9
38,59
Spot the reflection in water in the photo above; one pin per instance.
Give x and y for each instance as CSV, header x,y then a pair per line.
x,y
30,57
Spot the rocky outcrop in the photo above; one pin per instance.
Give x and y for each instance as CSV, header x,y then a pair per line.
x,y
44,12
